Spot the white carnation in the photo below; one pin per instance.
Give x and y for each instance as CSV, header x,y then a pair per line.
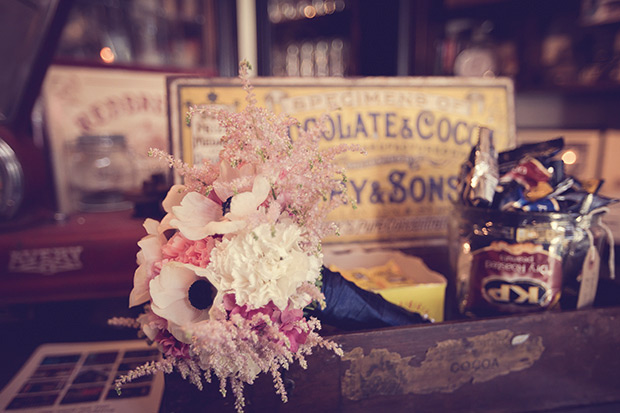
x,y
265,264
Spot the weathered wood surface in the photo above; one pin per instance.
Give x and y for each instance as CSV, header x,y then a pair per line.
x,y
536,362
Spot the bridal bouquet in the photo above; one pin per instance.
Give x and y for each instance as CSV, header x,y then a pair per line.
x,y
225,275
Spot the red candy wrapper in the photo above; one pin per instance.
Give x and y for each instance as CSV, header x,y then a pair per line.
x,y
528,173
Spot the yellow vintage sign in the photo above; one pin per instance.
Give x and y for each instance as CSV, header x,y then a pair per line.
x,y
416,131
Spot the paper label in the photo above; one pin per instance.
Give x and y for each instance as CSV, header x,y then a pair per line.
x,y
515,277
589,278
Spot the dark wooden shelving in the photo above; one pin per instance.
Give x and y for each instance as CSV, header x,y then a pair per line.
x,y
532,27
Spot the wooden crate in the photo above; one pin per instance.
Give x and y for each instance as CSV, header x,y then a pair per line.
x,y
561,361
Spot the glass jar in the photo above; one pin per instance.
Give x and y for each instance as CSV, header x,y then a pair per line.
x,y
515,262
101,173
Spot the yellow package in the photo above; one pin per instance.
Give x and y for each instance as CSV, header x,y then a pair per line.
x,y
401,279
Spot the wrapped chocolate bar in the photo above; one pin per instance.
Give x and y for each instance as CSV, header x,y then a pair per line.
x,y
479,176
535,242
540,150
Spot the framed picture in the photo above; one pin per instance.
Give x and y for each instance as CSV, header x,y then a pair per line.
x,y
80,101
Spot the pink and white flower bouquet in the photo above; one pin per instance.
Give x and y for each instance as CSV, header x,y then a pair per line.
x,y
225,275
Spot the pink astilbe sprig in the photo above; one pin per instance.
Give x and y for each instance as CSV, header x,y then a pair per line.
x,y
240,349
147,369
306,180
124,322
190,370
312,184
253,135
244,75
197,178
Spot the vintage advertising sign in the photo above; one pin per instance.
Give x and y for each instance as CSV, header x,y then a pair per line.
x,y
416,131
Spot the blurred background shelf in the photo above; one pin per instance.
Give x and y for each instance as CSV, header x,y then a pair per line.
x,y
565,48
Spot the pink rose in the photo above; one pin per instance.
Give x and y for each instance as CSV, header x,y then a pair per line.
x,y
185,251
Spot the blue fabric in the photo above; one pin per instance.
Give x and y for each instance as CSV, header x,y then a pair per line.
x,y
349,307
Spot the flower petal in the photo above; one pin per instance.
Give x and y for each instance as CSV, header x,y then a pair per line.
x,y
174,197
150,247
140,292
171,284
193,215
165,225
223,227
149,331
229,174
246,203
169,294
150,253
206,273
179,312
163,297
180,333
151,225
